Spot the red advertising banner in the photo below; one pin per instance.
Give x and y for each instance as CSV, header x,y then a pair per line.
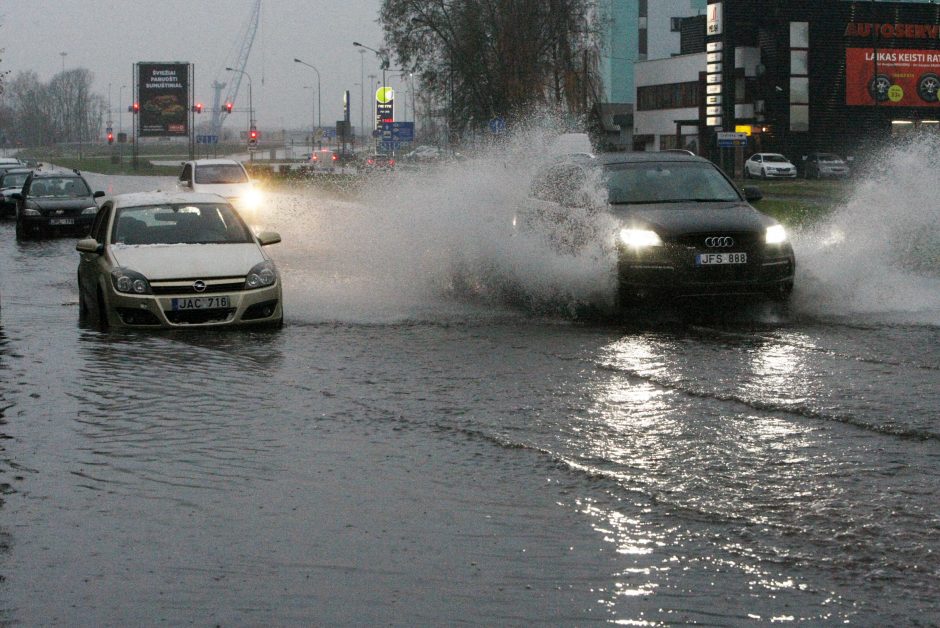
x,y
900,78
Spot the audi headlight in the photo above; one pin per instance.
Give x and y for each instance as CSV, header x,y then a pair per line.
x,y
775,234
640,238
90,210
262,275
129,281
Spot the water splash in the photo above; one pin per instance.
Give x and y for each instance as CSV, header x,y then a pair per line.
x,y
438,243
878,255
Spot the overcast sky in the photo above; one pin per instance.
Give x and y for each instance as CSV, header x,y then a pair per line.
x,y
109,36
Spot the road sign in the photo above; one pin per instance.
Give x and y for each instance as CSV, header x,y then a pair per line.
x,y
729,139
398,131
497,126
205,139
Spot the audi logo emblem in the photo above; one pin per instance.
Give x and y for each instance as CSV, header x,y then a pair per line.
x,y
199,286
719,242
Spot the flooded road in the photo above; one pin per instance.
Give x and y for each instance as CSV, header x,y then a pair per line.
x,y
417,447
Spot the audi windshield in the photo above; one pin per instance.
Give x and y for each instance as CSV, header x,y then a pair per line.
x,y
667,182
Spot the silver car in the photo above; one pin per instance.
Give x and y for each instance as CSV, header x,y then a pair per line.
x,y
176,260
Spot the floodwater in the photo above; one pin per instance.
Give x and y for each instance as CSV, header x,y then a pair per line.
x,y
436,437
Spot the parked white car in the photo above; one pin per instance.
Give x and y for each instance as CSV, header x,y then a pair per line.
x,y
176,260
769,165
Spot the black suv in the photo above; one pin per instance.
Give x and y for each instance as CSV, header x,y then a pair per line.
x,y
54,202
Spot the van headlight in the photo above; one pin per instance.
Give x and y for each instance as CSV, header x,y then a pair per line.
x,y
261,275
252,198
640,238
129,281
775,234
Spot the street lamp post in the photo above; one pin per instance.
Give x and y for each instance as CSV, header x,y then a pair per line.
x,y
251,111
362,90
313,117
380,55
319,107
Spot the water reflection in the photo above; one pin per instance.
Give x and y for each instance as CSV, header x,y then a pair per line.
x,y
185,410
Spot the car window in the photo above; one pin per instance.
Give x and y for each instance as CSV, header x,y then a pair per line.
x,y
179,223
221,173
66,187
13,180
775,158
829,157
662,182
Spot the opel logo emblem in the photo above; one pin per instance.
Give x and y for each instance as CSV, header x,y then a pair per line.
x,y
199,286
719,242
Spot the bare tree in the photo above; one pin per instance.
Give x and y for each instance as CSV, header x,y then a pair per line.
x,y
64,110
486,58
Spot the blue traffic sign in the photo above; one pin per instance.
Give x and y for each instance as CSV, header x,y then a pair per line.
x,y
497,125
207,139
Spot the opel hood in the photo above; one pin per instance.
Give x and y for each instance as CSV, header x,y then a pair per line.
x,y
184,261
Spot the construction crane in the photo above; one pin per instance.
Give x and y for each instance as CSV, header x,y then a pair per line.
x,y
247,38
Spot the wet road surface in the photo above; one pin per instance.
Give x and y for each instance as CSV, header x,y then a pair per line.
x,y
399,454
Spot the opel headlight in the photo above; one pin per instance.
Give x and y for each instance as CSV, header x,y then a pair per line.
x,y
640,238
262,275
129,281
775,234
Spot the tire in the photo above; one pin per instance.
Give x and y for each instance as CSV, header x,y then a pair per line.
x,y
82,304
102,312
927,87
878,87
22,233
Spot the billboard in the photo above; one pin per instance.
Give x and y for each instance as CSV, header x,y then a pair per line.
x,y
384,106
898,77
163,95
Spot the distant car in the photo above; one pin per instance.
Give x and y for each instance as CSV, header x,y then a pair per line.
x,y
769,166
225,177
324,159
379,161
819,165
53,202
11,181
682,230
171,259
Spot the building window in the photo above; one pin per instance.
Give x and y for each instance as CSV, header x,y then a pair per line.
x,y
799,62
799,118
799,34
675,24
799,90
668,96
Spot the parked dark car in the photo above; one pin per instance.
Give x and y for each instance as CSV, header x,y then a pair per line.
x,y
54,202
819,165
683,229
11,181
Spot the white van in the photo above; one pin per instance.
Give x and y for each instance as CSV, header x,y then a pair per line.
x,y
225,177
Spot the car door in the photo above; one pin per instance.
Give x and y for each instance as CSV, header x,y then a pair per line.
x,y
90,264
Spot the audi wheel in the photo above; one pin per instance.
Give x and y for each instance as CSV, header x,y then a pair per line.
x,y
927,87
878,87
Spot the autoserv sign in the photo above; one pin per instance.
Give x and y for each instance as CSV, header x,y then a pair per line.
x,y
892,77
163,94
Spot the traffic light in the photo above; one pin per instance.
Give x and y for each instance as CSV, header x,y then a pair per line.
x,y
228,107
253,136
135,108
197,108
110,137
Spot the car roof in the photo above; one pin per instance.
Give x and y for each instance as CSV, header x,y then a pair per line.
x,y
135,199
215,162
57,174
637,157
